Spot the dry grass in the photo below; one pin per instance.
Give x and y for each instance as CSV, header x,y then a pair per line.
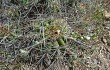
x,y
54,35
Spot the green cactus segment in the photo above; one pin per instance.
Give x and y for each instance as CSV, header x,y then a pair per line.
x,y
60,41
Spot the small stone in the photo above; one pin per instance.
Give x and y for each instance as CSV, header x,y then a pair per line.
x,y
87,37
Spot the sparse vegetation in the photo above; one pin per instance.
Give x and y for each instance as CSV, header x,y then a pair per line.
x,y
54,35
